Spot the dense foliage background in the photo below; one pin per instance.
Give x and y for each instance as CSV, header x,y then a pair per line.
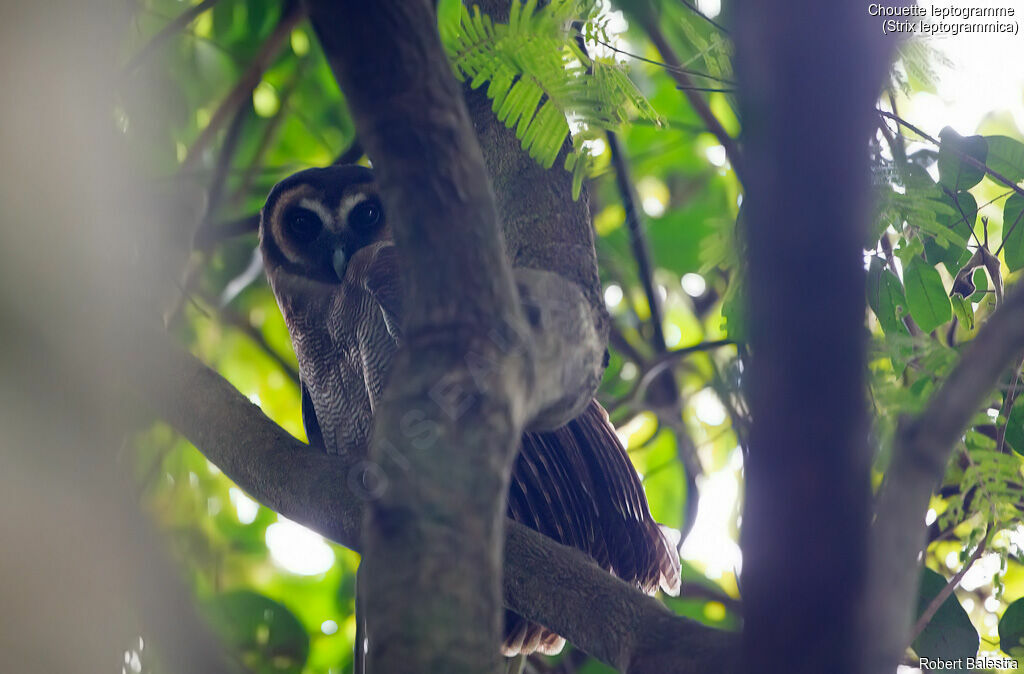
x,y
247,98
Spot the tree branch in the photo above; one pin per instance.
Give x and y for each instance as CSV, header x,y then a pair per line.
x,y
167,32
552,584
686,85
704,16
922,450
210,234
963,156
292,14
473,368
944,594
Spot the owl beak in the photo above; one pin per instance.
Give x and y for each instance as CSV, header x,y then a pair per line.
x,y
340,262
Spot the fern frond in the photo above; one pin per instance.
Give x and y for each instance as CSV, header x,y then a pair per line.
x,y
538,77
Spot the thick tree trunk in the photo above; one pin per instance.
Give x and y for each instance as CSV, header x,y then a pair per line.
x,y
472,371
809,73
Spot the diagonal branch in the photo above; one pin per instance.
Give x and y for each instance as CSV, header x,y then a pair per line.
x,y
292,14
695,10
963,156
552,584
944,594
687,86
665,397
166,33
922,450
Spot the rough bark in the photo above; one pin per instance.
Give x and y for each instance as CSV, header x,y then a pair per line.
x,y
474,367
809,72
549,240
552,584
435,532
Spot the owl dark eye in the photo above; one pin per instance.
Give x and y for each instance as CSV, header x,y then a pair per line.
x,y
365,214
302,225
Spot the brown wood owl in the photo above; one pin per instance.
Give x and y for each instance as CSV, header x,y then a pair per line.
x,y
330,259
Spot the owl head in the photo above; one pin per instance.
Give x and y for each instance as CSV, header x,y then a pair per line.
x,y
316,222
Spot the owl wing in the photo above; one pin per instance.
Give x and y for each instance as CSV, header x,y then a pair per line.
x,y
576,484
309,420
383,282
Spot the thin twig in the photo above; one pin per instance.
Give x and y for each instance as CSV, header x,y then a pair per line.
x,y
224,160
700,106
292,14
945,592
680,69
1008,400
900,145
637,239
271,129
239,322
963,156
704,16
711,89
1008,232
663,361
963,216
671,405
167,32
621,344
209,235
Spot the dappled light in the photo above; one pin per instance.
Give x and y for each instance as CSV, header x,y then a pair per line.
x,y
180,486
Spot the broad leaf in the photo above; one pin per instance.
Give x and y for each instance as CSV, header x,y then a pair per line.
x,y
1011,630
269,637
1013,232
980,285
926,297
885,297
949,635
964,311
1015,426
1006,157
956,173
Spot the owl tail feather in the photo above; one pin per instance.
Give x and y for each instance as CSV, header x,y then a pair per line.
x,y
577,485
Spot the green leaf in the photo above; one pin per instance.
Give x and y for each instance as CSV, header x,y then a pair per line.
x,y
449,14
1006,157
885,297
1011,630
964,311
954,173
1015,426
980,285
926,297
1013,232
958,226
269,637
949,635
538,75
910,249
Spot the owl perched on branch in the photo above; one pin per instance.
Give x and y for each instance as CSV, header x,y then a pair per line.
x,y
331,262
